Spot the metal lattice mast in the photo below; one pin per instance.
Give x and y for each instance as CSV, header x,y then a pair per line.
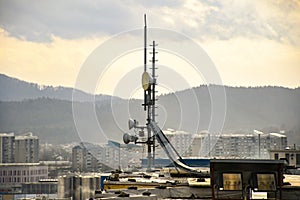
x,y
153,98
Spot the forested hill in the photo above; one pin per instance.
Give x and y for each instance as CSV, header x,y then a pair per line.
x,y
52,119
13,89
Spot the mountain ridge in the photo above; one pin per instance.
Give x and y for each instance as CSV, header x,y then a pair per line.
x,y
13,89
52,119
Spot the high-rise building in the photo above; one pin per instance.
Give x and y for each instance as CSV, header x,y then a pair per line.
x,y
86,157
26,148
19,149
7,141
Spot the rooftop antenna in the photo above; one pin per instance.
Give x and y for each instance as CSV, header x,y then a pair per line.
x,y
153,130
148,83
145,55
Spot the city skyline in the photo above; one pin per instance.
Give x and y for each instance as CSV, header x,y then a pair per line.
x,y
251,43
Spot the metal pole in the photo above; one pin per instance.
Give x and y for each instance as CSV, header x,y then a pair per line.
x,y
153,98
145,57
259,146
145,43
147,95
149,130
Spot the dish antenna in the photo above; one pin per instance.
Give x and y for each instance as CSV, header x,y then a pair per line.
x,y
127,138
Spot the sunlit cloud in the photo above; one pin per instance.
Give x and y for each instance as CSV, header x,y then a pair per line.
x,y
252,43
56,63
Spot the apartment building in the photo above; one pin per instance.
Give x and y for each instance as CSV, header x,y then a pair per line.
x,y
7,143
26,148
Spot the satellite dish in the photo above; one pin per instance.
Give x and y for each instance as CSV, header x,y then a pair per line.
x,y
131,123
129,138
147,80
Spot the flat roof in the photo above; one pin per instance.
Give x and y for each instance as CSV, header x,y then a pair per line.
x,y
258,161
285,150
19,164
277,134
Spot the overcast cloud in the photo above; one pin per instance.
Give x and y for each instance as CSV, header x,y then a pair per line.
x,y
37,20
251,42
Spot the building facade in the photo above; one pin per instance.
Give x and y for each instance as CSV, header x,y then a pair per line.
x,y
244,145
75,186
83,160
226,145
7,142
26,148
181,141
87,157
19,149
18,173
291,156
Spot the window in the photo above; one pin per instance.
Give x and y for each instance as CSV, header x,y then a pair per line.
x,y
297,159
276,156
232,181
266,182
287,156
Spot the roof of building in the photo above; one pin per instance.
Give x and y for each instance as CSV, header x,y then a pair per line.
x,y
25,136
6,134
258,161
285,150
18,164
277,134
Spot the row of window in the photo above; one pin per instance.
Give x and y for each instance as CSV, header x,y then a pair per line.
x,y
20,179
22,172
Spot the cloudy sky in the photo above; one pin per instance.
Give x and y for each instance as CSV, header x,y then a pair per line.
x,y
250,42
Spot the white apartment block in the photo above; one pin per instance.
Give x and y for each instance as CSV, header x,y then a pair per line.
x,y
226,145
242,145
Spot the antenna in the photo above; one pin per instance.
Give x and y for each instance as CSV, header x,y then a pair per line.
x,y
148,84
145,57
